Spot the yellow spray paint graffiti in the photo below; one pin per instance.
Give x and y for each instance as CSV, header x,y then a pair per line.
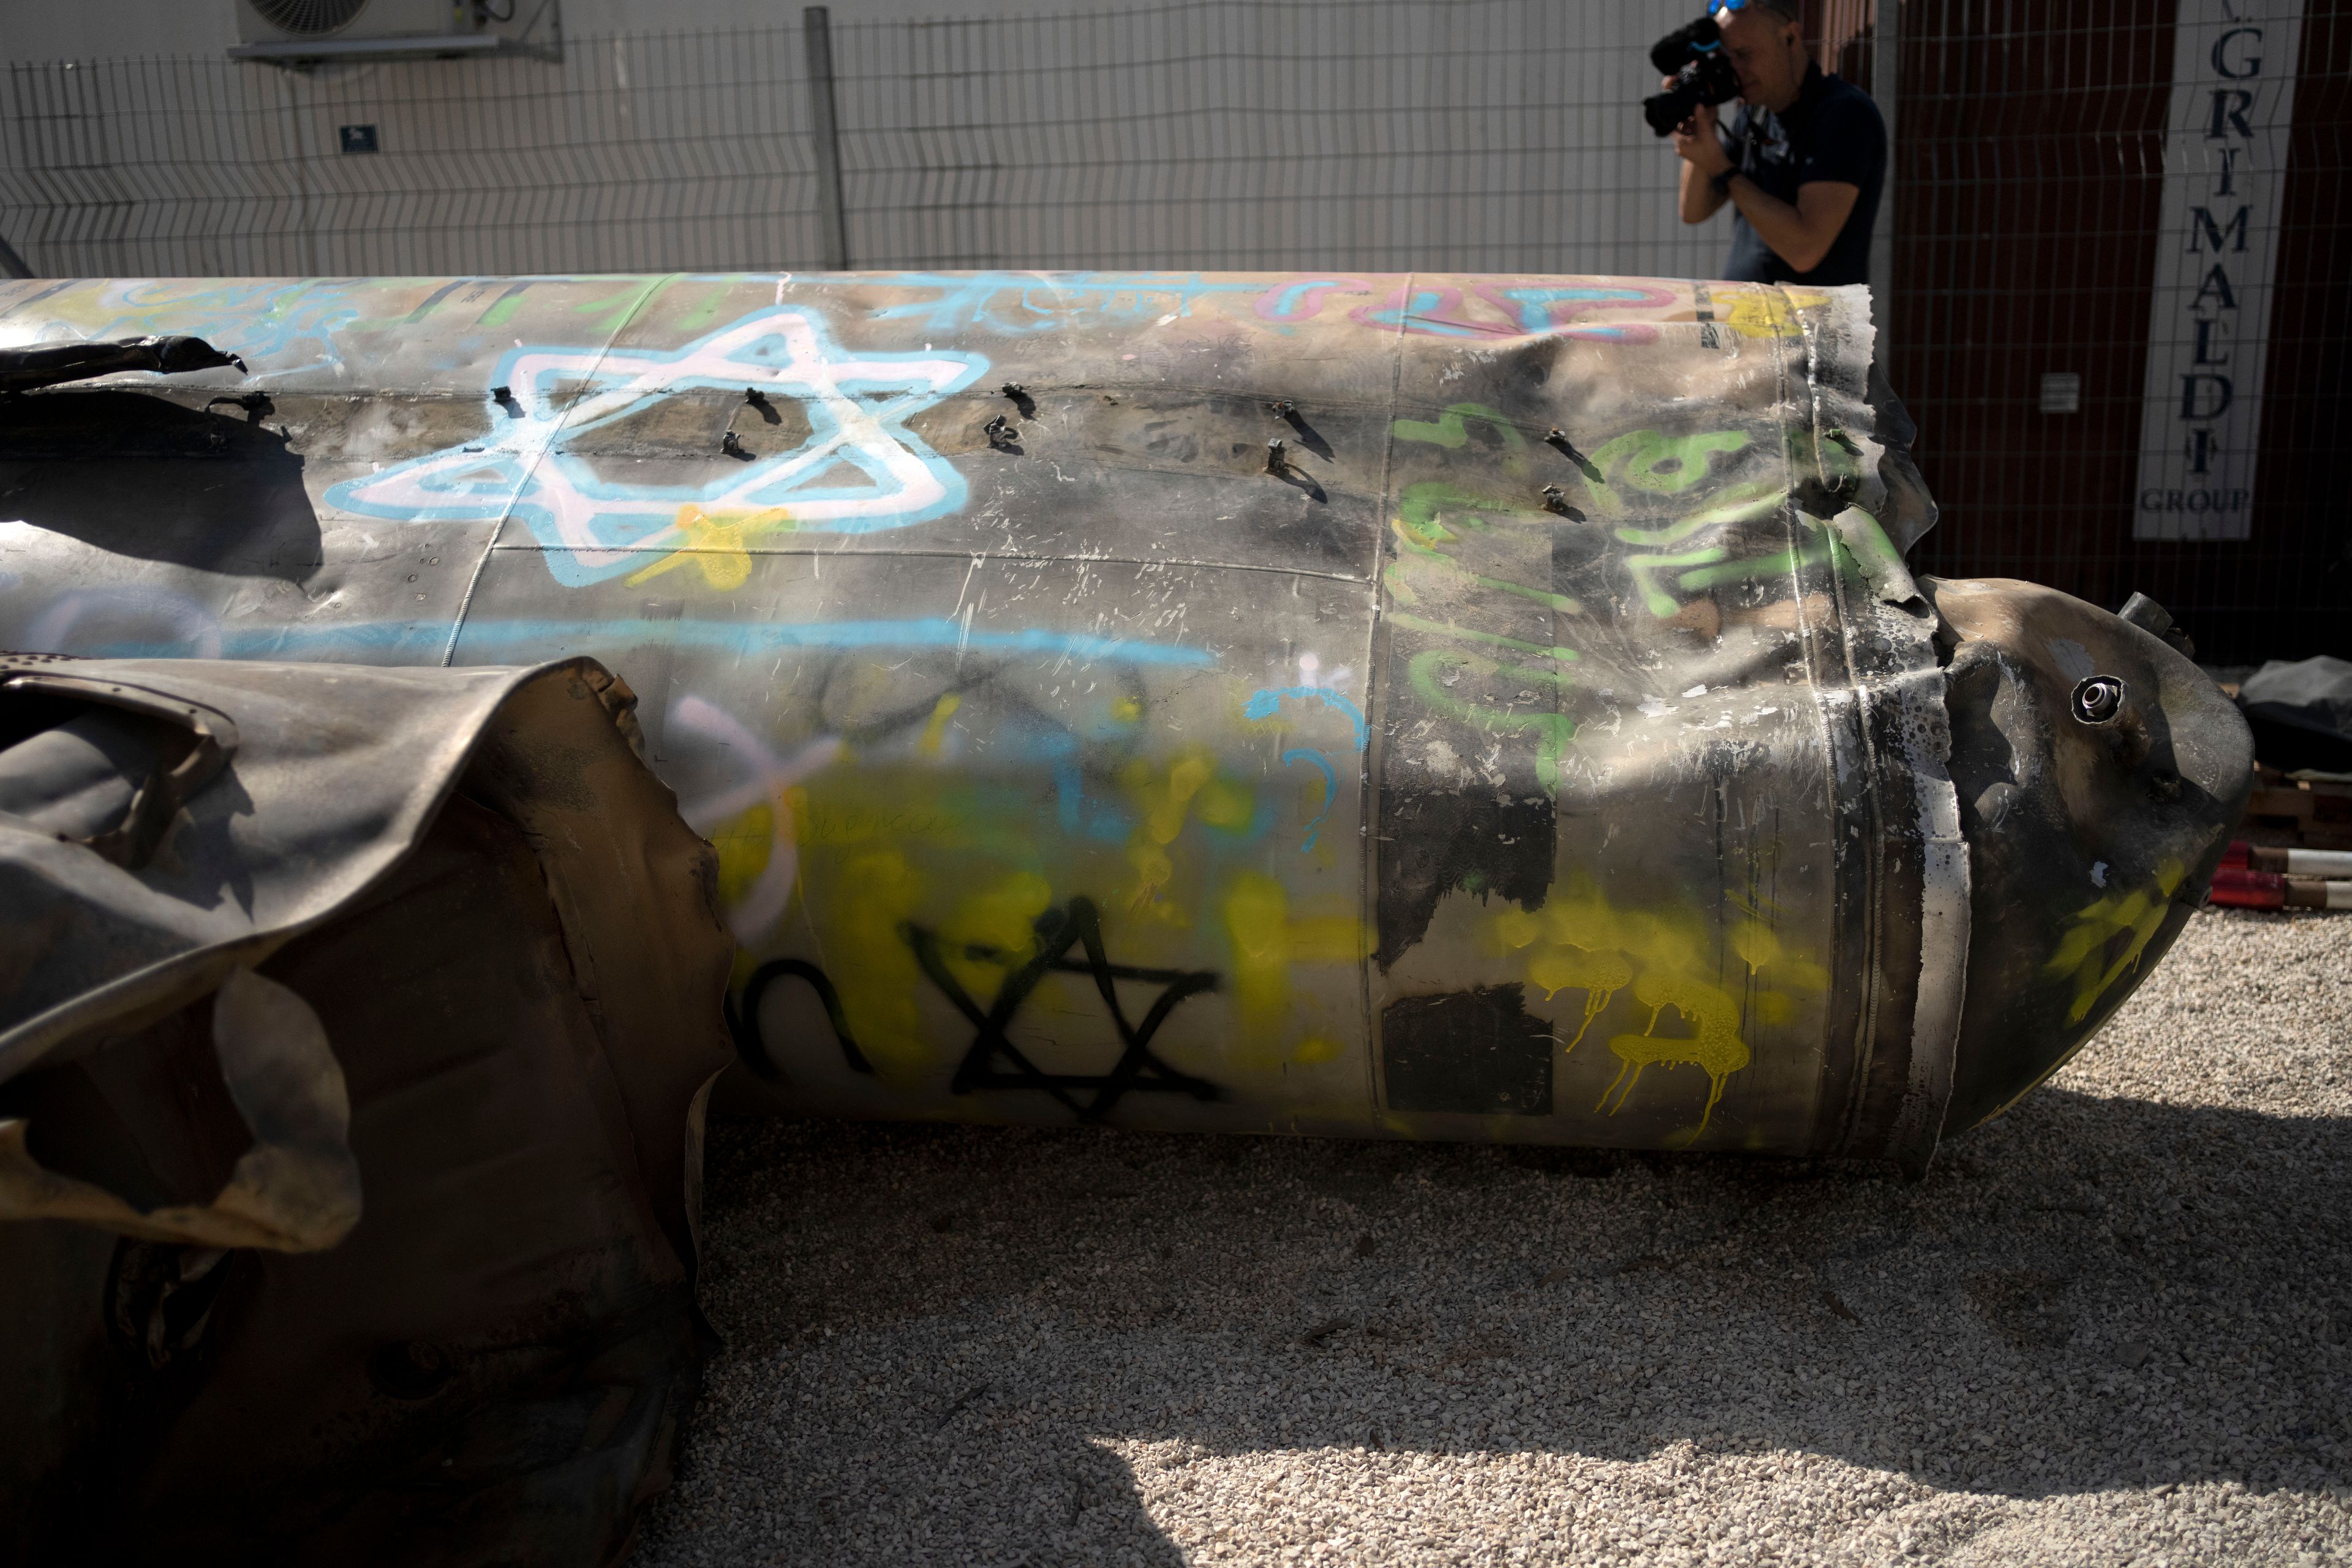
x,y
745,843
715,544
1579,940
935,728
2091,934
890,848
1163,800
993,929
872,967
1561,963
1600,976
1267,939
1715,1049
1769,313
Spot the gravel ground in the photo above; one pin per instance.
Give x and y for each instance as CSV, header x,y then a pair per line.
x,y
2111,1327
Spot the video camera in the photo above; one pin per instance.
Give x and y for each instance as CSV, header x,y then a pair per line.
x,y
1694,57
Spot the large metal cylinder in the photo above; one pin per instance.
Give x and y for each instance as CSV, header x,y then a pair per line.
x,y
1430,706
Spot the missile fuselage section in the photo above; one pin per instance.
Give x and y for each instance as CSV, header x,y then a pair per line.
x,y
1437,707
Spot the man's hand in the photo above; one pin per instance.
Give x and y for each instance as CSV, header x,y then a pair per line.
x,y
1701,150
1696,143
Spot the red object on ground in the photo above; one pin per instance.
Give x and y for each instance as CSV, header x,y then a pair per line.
x,y
2259,876
2241,889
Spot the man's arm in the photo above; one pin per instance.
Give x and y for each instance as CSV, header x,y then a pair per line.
x,y
1700,199
1695,141
1801,234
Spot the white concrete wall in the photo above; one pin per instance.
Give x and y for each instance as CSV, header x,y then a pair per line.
x,y
1470,135
117,29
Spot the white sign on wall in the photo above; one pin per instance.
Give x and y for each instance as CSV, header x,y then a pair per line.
x,y
2209,322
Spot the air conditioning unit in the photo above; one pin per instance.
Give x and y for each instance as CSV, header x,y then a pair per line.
x,y
301,32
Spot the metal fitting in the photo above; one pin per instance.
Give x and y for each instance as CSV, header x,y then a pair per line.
x,y
2098,699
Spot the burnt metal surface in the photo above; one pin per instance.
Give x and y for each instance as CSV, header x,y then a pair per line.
x,y
356,1026
1196,700
53,364
2091,764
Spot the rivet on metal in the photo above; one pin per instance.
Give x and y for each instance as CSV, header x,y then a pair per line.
x,y
732,446
1276,462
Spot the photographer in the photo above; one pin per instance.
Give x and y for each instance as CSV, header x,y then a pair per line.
x,y
1807,154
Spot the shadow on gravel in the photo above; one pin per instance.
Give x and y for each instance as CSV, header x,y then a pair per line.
x,y
936,1334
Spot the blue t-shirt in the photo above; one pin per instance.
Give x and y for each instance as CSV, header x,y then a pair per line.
x,y
1831,132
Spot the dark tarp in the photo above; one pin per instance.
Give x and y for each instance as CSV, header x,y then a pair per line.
x,y
2301,714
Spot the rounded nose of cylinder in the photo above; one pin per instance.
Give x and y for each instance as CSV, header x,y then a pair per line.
x,y
2099,774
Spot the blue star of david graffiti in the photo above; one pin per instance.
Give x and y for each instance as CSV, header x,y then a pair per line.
x,y
592,527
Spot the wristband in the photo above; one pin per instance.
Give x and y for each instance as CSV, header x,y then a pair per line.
x,y
1722,183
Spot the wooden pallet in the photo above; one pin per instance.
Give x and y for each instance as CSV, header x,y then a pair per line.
x,y
2298,812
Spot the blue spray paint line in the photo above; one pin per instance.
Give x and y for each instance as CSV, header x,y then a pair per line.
x,y
763,636
1534,304
1296,300
419,642
1266,704
973,299
1330,789
1060,750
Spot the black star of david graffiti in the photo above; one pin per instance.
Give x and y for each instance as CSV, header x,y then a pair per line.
x,y
1138,1070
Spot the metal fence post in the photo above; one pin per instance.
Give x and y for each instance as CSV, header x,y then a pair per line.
x,y
824,135
1885,66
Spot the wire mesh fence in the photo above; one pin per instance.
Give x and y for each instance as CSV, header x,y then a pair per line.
x,y
1486,135
2033,166
1493,136
652,152
2030,199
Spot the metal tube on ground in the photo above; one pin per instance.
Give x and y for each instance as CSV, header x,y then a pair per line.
x,y
1550,746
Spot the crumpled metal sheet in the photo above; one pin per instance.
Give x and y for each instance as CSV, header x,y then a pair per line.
x,y
54,364
336,776
383,1062
1407,705
295,1190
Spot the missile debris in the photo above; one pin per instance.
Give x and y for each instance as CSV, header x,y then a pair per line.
x,y
360,1021
1466,783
